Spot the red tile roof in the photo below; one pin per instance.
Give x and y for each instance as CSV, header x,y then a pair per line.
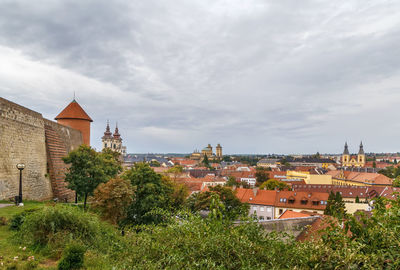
x,y
301,200
362,177
73,111
263,197
293,214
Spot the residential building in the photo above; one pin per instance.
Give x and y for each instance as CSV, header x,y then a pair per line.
x,y
300,201
261,202
352,178
308,178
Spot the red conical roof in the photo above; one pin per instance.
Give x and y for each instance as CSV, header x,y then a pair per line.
x,y
73,111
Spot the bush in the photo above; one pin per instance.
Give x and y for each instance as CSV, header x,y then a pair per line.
x,y
18,219
72,258
64,223
113,198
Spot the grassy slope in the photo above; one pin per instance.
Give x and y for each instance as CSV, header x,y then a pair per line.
x,y
8,248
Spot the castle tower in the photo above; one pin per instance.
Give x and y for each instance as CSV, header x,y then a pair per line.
x,y
75,117
346,155
218,151
361,156
107,138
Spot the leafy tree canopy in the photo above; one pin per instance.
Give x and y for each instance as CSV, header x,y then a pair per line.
x,y
232,209
152,192
272,184
88,169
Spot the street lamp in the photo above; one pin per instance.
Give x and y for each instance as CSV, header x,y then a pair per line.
x,y
20,167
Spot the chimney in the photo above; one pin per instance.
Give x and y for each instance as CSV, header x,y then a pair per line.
x,y
255,191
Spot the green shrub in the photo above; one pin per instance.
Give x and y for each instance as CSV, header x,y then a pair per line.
x,y
73,257
61,224
18,219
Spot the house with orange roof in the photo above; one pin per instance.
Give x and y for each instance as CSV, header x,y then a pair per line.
x,y
261,202
300,201
248,177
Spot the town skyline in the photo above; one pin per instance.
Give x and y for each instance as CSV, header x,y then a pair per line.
x,y
258,77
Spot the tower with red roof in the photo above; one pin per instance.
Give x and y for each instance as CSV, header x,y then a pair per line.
x,y
75,117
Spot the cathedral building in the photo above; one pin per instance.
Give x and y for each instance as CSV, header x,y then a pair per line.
x,y
208,151
353,161
113,141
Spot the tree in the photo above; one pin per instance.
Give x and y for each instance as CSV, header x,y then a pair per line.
x,y
335,206
262,175
273,184
175,171
227,159
113,198
155,163
88,169
373,164
357,199
180,192
231,181
233,207
396,182
205,161
151,193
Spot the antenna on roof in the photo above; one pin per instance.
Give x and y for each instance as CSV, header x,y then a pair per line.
x,y
74,97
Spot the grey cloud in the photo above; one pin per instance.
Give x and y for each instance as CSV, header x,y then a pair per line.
x,y
270,74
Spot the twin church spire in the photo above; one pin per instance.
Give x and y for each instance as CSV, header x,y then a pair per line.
x,y
113,140
358,161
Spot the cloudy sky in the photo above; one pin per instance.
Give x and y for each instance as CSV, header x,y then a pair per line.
x,y
257,76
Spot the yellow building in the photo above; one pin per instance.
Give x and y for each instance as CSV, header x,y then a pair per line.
x,y
314,179
207,151
350,178
218,151
353,161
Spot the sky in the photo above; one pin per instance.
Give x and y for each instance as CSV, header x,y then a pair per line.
x,y
256,76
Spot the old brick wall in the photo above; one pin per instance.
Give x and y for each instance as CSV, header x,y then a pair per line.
x,y
60,140
22,140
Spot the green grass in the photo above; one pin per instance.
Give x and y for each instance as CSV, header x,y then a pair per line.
x,y
9,247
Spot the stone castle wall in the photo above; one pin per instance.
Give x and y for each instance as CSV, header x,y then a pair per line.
x,y
60,140
23,139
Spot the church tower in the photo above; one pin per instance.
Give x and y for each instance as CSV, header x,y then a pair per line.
x,y
113,141
117,141
361,156
346,155
107,139
218,151
75,117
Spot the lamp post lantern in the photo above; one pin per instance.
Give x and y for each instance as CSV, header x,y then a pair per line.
x,y
20,167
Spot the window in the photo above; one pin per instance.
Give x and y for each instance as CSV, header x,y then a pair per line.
x,y
255,208
262,208
269,209
315,202
303,201
280,211
261,218
268,218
